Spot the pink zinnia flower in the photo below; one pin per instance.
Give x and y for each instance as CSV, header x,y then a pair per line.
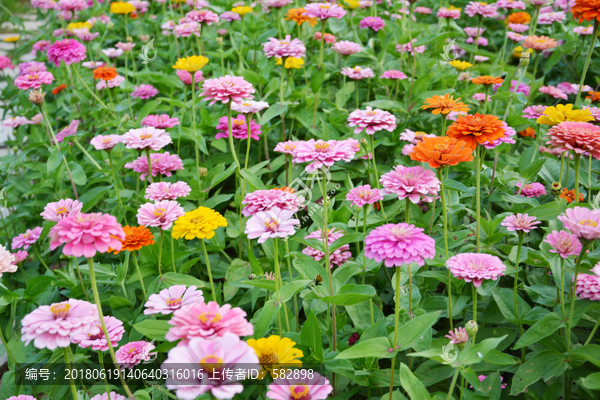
x,y
582,222
144,91
187,29
61,209
519,28
208,321
186,76
227,350
375,23
408,48
510,4
534,112
5,63
159,191
15,122
515,37
70,130
286,147
324,10
423,10
160,121
72,5
227,89
371,120
44,4
595,111
84,235
265,200
338,256
39,118
346,47
287,47
315,388
230,16
584,30
588,286
162,163
34,81
551,17
131,354
481,8
458,335
398,244
53,326
520,223
125,46
112,83
31,67
24,240
481,97
105,396
249,106
274,223
85,35
162,214
105,142
534,189
203,16
8,262
68,50
523,88
93,64
239,128
444,12
474,32
146,138
19,257
508,137
481,41
27,397
572,88
553,91
563,243
581,137
358,72
412,182
394,74
321,153
408,148
363,195
475,267
172,299
98,341
483,377
329,38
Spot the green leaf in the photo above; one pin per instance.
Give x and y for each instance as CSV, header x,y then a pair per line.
x,y
346,239
272,112
543,365
545,327
253,180
93,196
504,298
53,161
590,352
311,336
351,294
290,289
413,330
413,386
253,77
475,354
455,185
546,212
342,95
141,395
265,319
317,77
376,347
171,278
386,105
153,329
592,381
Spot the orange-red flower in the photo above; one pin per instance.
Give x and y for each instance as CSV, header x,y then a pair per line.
x,y
595,96
285,189
136,237
297,15
444,104
478,128
487,80
569,195
440,151
59,89
519,18
586,10
105,73
528,132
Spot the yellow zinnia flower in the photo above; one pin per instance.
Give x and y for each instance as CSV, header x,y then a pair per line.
x,y
462,65
191,63
12,39
564,112
242,10
275,352
200,223
518,50
352,3
120,7
291,62
79,25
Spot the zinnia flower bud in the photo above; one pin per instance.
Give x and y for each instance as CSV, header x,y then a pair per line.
x,y
125,119
219,40
524,60
144,38
203,172
129,39
556,188
471,327
36,96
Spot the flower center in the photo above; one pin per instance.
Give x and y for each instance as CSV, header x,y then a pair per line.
x,y
269,357
475,265
238,122
371,112
60,310
284,42
322,147
299,392
204,317
290,146
246,104
482,3
145,136
325,6
210,363
271,224
106,141
399,232
159,212
61,210
173,301
197,220
588,222
441,147
357,68
132,350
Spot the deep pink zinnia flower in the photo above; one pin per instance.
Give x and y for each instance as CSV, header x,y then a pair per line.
x,y
338,256
63,208
458,335
582,222
475,267
264,200
483,377
172,299
444,12
26,397
398,244
33,67
371,120
316,387
208,321
98,342
19,257
105,142
409,48
358,72
346,47
84,235
274,223
321,153
146,138
520,223
394,74
324,10
534,189
563,243
239,128
5,63
287,47
375,23
160,121
158,191
363,195
68,50
162,214
508,137
412,182
144,91
162,163
53,326
131,354
24,240
480,8
34,81
227,89
581,137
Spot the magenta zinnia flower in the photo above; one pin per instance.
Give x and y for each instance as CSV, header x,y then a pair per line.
x,y
68,50
111,83
581,137
144,91
447,13
162,163
363,195
375,23
315,388
409,48
510,4
87,234
346,47
458,335
563,243
324,10
105,142
98,341
371,120
158,191
61,209
475,267
520,223
412,182
338,256
287,47
162,214
398,244
8,262
34,81
53,326
358,72
146,138
160,121
131,354
264,200
24,240
582,222
227,89
19,257
534,189
274,223
239,128
172,299
321,153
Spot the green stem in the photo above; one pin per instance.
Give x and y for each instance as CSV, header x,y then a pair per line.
x,y
149,165
323,22
478,197
592,333
474,306
516,281
562,286
84,151
196,148
325,237
444,212
173,253
587,61
112,172
210,278
287,251
40,258
396,324
8,350
160,246
68,365
376,175
577,158
137,267
249,120
584,247
453,384
92,93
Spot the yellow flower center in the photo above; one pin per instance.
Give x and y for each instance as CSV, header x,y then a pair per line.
x,y
483,3
357,68
269,357
322,147
159,212
246,104
60,310
284,42
173,301
132,350
204,317
325,6
271,224
238,122
106,140
299,392
588,222
61,210
145,136
210,363
371,112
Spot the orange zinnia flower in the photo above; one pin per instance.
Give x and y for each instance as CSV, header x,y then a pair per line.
x,y
105,73
444,104
285,189
59,89
487,80
136,237
297,15
586,10
478,128
595,96
569,195
528,132
441,150
519,18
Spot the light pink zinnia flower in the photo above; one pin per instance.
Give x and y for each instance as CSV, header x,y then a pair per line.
x,y
473,32
520,223
534,112
144,91
338,256
61,209
375,23
324,10
444,12
475,267
458,335
510,4
203,16
15,122
423,10
146,138
26,397
186,76
287,47
371,120
265,200
358,72
239,128
85,35
329,38
127,46
315,388
321,153
363,195
230,16
159,191
519,28
8,262
286,147
187,29
41,46
582,222
249,106
70,130
584,30
409,48
84,235
131,354
31,68
208,321
162,213
534,189
563,243
24,240
98,341
271,224
93,64
160,121
551,17
394,74
105,396
172,299
68,50
588,286
553,91
34,81
515,37
105,142
412,182
581,137
162,163
346,47
481,8
227,89
53,326
398,244
19,257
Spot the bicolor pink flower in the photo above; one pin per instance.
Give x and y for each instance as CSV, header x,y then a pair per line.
x,y
520,223
573,88
53,326
34,81
595,111
509,134
93,64
146,138
563,243
375,23
239,128
227,89
411,182
475,267
8,262
186,76
160,121
329,38
162,163
63,208
458,335
338,256
111,83
582,222
394,74
106,142
249,106
346,47
324,10
144,91
398,244
172,299
24,240
105,396
287,47
286,147
534,189
448,13
316,387
70,130
68,50
98,341
274,223
553,91
44,4
159,191
363,195
230,16
358,72
131,354
319,153
409,48
480,8
161,213
203,16
39,118
371,120
580,137
208,321
265,200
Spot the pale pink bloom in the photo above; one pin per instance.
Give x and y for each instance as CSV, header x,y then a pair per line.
x,y
316,387
534,112
107,142
519,28
70,130
375,23
44,4
159,191
131,354
85,35
25,397
160,121
230,16
481,97
520,223
481,41
444,12
34,81
146,138
475,267
239,128
329,38
222,32
172,299
346,47
363,195
480,8
324,10
140,5
453,115
572,88
105,396
458,335
112,52
168,28
358,72
265,200
582,222
510,4
93,64
24,240
398,244
112,83
336,257
186,76
60,32
394,74
534,189
161,213
287,147
551,17
371,120
53,326
516,37
227,88
203,16
208,321
408,148
473,32
15,122
274,223
464,76
483,377
19,257
584,30
61,209
563,243
268,4
8,262
144,91
162,163
287,47
98,341
595,111
249,106
411,182
125,46
187,29
103,19
552,91
423,10
228,350
321,153
31,68
36,119
408,48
